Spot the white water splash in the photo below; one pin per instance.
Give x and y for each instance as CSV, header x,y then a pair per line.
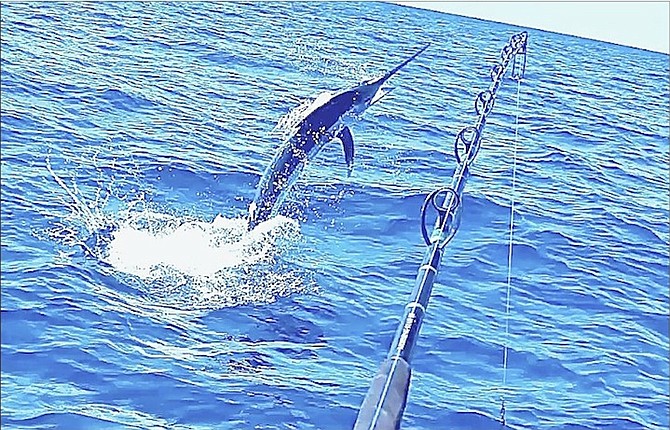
x,y
194,248
180,261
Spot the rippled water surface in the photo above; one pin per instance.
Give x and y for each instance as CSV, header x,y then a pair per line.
x,y
133,135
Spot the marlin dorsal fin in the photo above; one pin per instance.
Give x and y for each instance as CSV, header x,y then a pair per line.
x,y
348,144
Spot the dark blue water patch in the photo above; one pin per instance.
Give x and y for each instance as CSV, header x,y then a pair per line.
x,y
15,126
578,296
106,47
466,346
13,83
274,400
178,177
336,202
24,25
21,327
207,190
65,89
122,100
45,18
641,271
287,327
106,19
472,420
249,362
71,366
375,21
193,47
618,423
55,420
541,368
229,14
657,323
119,37
628,229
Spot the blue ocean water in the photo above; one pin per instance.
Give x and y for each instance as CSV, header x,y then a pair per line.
x,y
160,117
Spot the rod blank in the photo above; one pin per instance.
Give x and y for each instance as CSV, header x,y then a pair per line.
x,y
385,401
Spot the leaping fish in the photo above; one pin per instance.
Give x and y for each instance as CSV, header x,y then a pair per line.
x,y
327,118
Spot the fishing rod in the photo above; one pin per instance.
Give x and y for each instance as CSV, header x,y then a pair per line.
x,y
385,401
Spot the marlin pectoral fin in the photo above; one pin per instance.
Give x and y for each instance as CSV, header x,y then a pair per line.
x,y
348,144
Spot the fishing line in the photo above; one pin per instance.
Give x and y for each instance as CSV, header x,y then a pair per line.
x,y
509,253
385,401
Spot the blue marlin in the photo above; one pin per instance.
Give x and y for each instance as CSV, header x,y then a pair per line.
x,y
327,118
